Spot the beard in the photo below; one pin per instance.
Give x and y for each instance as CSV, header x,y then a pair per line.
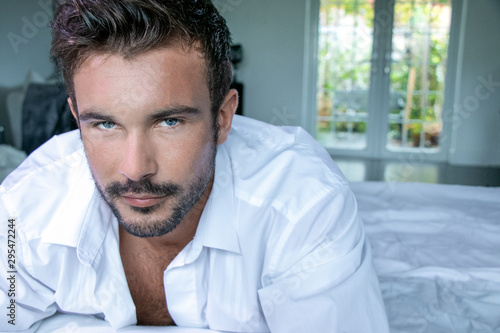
x,y
146,224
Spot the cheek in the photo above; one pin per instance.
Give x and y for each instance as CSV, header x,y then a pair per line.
x,y
102,158
183,160
201,163
205,156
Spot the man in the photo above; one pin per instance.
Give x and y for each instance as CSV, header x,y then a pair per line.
x,y
163,209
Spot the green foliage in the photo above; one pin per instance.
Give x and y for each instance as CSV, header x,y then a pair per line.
x,y
343,126
346,66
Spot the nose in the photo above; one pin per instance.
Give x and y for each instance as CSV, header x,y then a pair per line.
x,y
138,161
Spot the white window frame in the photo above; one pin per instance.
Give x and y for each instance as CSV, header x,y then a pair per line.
x,y
379,85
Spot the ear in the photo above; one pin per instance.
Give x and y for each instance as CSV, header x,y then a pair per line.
x,y
73,110
226,113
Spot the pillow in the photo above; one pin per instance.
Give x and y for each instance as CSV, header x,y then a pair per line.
x,y
14,101
45,113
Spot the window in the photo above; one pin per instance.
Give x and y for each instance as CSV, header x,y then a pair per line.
x,y
344,63
419,49
381,74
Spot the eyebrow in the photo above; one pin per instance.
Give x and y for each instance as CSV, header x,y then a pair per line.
x,y
176,110
95,115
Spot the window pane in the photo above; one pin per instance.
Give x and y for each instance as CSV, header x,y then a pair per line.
x,y
419,51
345,46
394,135
344,134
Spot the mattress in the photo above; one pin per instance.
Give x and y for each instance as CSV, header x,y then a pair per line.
x,y
436,251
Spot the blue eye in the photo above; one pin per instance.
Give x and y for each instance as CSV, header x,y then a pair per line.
x,y
170,122
106,125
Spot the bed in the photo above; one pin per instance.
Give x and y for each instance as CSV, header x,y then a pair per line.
x,y
436,251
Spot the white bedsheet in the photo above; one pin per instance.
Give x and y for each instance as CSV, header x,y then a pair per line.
x,y
67,323
437,254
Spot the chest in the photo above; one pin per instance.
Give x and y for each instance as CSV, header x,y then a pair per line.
x,y
144,273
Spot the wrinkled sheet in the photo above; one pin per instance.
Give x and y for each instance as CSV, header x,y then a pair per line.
x,y
70,323
436,251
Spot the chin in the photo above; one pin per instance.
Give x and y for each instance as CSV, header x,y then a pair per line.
x,y
152,221
146,229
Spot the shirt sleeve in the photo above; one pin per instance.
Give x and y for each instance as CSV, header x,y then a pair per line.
x,y
333,286
25,301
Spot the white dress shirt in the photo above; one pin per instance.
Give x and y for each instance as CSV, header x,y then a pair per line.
x,y
279,246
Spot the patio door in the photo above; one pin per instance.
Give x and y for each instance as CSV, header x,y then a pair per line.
x,y
381,77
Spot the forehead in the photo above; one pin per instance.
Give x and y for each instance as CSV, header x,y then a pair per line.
x,y
154,79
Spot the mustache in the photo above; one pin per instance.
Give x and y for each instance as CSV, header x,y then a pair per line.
x,y
145,186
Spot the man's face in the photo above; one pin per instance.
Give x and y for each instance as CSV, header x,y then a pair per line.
x,y
148,134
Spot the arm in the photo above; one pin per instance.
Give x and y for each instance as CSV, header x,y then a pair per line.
x,y
24,300
332,287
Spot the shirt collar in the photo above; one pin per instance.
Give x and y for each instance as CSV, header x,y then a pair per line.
x,y
94,229
217,227
82,218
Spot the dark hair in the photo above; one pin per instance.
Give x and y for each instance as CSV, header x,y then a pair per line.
x,y
81,28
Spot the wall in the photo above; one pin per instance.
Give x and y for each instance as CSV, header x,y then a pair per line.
x,y
24,40
272,36
476,121
24,46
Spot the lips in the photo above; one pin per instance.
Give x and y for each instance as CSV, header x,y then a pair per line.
x,y
146,201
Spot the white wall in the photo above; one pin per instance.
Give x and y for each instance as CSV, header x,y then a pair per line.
x,y
476,122
24,40
24,46
272,34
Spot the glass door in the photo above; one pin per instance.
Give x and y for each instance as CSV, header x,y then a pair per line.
x,y
344,64
420,37
381,76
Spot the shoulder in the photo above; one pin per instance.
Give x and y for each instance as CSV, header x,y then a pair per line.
x,y
283,166
289,195
48,159
50,180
